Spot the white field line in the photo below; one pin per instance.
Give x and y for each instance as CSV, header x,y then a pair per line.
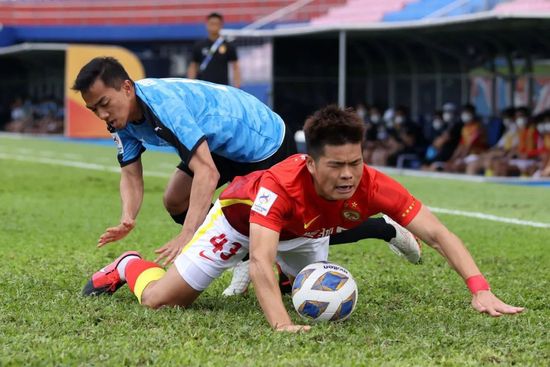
x,y
99,167
494,218
76,164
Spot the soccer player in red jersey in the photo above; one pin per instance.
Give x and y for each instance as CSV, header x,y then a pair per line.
x,y
286,214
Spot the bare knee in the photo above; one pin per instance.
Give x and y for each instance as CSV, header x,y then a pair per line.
x,y
152,298
174,204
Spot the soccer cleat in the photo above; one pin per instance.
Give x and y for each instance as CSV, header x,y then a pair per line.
x,y
240,280
107,280
404,243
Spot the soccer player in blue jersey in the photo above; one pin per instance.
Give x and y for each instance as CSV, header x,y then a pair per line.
x,y
218,131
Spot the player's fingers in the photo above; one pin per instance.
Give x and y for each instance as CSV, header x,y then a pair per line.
x,y
169,258
494,312
161,249
509,309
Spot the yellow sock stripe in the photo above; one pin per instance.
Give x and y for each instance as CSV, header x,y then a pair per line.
x,y
145,278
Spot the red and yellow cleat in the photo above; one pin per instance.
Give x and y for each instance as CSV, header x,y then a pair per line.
x,y
107,280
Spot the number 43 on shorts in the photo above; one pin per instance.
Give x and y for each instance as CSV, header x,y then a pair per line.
x,y
219,241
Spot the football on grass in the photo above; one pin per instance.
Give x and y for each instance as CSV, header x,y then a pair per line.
x,y
324,291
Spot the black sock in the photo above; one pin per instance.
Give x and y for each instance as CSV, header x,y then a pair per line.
x,y
371,228
179,218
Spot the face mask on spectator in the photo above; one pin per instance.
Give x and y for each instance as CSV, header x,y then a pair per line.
x,y
507,122
521,121
447,116
547,127
437,124
375,118
399,120
361,113
466,117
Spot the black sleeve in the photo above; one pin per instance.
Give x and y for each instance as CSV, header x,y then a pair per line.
x,y
231,52
197,53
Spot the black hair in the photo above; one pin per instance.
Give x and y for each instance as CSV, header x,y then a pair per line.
x,y
214,15
332,125
107,69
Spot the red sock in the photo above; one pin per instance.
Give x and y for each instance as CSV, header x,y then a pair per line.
x,y
135,268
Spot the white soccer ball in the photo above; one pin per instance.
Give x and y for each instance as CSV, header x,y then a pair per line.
x,y
324,291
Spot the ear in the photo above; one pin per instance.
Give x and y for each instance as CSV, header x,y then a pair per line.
x,y
310,164
127,87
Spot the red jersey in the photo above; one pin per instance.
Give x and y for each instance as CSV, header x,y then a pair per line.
x,y
283,198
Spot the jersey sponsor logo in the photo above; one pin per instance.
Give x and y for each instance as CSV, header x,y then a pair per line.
x,y
351,215
264,200
306,225
118,143
324,232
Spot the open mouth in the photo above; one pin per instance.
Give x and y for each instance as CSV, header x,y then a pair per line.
x,y
344,189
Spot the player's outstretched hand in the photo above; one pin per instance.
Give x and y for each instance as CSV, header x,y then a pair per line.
x,y
113,234
170,250
291,328
487,302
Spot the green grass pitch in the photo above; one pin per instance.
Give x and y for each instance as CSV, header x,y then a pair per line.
x,y
51,216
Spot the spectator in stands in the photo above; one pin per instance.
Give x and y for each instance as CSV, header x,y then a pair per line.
x,y
473,141
434,137
407,138
444,145
361,111
526,158
494,162
449,113
544,131
374,123
213,55
20,116
383,146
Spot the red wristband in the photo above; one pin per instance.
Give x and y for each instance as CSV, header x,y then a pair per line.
x,y
477,283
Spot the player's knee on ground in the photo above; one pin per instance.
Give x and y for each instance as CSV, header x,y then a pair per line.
x,y
155,296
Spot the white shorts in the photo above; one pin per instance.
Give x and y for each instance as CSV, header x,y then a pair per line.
x,y
217,246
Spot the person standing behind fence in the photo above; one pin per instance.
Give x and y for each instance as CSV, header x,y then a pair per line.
x,y
213,55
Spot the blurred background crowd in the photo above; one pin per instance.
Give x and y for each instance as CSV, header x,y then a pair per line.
x,y
455,139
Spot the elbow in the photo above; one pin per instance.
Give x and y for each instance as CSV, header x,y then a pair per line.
x,y
208,177
254,269
214,177
438,237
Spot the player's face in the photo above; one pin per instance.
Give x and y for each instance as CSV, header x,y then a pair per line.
x,y
111,105
214,26
336,174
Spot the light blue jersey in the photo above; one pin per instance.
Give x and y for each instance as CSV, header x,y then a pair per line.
x,y
184,112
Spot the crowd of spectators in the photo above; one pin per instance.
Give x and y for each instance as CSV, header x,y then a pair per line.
x,y
516,143
44,116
